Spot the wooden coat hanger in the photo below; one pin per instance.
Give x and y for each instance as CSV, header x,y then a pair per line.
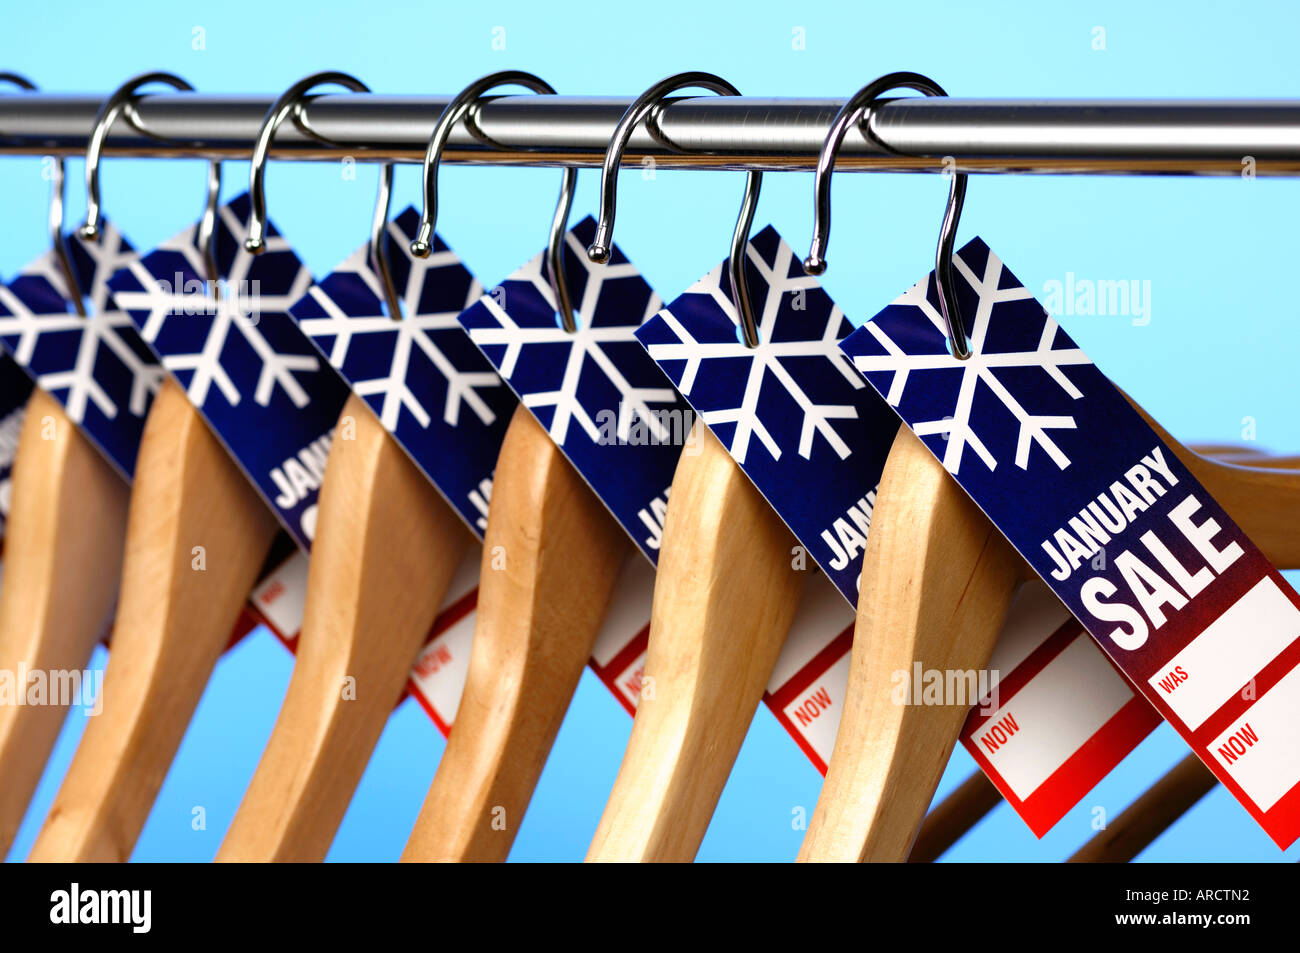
x,y
65,534
1150,815
385,550
173,619
1172,796
1261,495
537,621
1263,461
937,581
725,596
953,817
1233,452
386,547
539,618
172,625
1248,456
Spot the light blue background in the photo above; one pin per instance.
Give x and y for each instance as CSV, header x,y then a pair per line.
x,y
1221,345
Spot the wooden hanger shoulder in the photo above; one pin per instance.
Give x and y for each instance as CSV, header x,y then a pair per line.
x,y
551,559
385,550
196,536
725,595
63,559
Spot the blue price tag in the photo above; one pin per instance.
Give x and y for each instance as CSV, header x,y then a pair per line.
x,y
246,365
1170,587
605,403
430,387
95,366
792,411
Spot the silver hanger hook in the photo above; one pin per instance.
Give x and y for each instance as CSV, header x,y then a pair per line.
x,y
289,104
858,110
641,110
120,102
460,108
58,244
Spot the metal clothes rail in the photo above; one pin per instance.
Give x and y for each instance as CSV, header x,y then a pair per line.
x,y
1177,137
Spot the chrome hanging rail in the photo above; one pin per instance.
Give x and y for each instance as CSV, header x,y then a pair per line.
x,y
910,134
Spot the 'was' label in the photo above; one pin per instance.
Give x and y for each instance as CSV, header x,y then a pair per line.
x,y
1173,590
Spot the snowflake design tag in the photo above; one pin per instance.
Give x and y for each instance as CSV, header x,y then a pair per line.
x,y
792,411
1008,399
430,387
246,365
95,366
1110,517
603,400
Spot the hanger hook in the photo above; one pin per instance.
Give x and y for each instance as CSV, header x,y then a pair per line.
x,y
460,108
57,243
642,109
291,103
122,102
858,111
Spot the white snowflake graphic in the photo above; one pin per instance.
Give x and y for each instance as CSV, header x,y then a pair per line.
x,y
413,330
238,306
980,368
585,343
764,359
104,326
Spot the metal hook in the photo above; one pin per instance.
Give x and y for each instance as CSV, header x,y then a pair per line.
x,y
858,110
58,244
378,252
291,103
456,110
641,109
122,102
